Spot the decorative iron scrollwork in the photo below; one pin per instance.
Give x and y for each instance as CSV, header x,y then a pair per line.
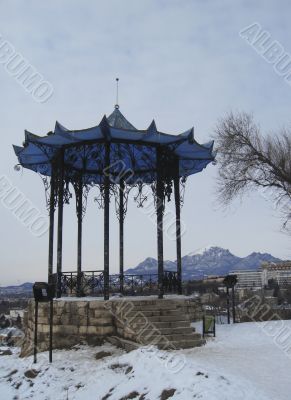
x,y
67,193
81,193
182,189
140,197
47,182
167,190
100,199
117,193
92,283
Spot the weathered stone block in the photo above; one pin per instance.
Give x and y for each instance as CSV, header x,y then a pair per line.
x,y
83,330
43,320
105,314
92,330
97,304
43,328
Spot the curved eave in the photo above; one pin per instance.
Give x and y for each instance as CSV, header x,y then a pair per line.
x,y
41,150
106,133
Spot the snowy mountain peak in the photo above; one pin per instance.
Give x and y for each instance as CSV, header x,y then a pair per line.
x,y
150,260
214,250
209,260
200,251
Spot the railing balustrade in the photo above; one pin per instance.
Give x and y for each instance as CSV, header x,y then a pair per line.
x,y
91,283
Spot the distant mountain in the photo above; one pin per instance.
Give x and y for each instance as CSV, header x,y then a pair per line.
x,y
210,260
23,286
17,290
150,266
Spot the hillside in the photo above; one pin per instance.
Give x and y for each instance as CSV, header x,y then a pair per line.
x,y
211,260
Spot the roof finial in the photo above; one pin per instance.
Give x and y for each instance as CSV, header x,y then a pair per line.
x,y
117,105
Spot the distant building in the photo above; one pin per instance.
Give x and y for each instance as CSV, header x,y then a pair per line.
x,y
248,279
280,273
14,313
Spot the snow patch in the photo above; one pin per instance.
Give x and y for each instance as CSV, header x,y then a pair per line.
x,y
244,362
201,251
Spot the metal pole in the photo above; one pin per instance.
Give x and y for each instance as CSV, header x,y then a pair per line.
x,y
160,194
79,200
121,234
35,331
51,331
228,308
233,305
51,227
178,232
106,221
60,223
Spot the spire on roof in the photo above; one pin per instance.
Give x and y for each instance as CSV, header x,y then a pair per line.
x,y
118,120
117,105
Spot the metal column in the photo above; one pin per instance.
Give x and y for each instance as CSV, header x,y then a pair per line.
x,y
51,226
60,222
79,203
178,231
160,211
121,234
106,220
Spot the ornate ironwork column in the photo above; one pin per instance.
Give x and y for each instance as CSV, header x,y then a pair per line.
x,y
52,207
121,234
81,193
160,211
51,193
121,200
106,220
178,230
79,203
60,221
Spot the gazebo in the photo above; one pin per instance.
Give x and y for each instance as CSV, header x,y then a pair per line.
x,y
115,157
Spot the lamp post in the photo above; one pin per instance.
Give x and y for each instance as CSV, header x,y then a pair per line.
x,y
230,281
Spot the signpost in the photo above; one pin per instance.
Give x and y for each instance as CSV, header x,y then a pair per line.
x,y
43,292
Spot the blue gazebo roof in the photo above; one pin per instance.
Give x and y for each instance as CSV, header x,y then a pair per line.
x,y
130,150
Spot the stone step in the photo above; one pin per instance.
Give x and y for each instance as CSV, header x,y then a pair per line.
x,y
170,337
151,307
181,344
161,318
151,313
168,331
157,332
159,324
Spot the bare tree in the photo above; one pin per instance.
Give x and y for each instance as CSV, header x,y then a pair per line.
x,y
248,160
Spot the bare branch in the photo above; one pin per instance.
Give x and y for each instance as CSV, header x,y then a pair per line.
x,y
246,159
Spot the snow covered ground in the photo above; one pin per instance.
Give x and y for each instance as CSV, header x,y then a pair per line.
x,y
247,361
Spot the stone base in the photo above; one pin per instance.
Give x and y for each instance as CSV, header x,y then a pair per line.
x,y
92,320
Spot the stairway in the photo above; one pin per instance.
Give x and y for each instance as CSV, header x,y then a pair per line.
x,y
163,323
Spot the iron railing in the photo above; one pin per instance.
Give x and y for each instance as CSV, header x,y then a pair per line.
x,y
91,283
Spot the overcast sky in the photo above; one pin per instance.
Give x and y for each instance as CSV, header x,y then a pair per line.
x,y
180,62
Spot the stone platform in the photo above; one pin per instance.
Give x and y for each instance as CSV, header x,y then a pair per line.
x,y
143,320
